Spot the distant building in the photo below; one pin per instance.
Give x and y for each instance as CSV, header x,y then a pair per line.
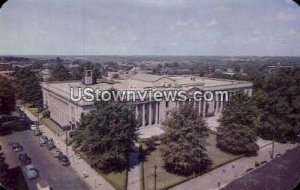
x,y
46,74
6,70
6,67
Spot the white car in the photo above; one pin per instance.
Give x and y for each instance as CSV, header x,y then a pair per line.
x,y
30,171
43,185
34,127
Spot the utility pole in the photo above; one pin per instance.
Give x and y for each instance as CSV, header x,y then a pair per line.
x,y
67,143
155,176
273,145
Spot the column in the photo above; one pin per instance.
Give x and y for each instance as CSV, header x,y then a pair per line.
x,y
143,115
157,112
136,111
217,106
150,113
221,106
200,108
204,108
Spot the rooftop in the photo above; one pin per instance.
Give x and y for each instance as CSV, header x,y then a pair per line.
x,y
145,81
281,173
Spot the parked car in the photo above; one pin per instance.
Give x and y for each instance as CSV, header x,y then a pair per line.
x,y
63,160
24,159
34,127
37,132
30,171
249,170
263,162
17,147
43,185
50,145
55,152
43,139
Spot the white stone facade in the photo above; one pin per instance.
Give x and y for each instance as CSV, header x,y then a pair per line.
x,y
63,111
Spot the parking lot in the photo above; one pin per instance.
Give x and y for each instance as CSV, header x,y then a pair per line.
x,y
59,177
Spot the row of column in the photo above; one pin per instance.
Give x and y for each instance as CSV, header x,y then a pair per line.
x,y
149,113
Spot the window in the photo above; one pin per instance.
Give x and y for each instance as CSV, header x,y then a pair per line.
x,y
89,73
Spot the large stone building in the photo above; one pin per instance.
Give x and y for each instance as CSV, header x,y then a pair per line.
x,y
151,114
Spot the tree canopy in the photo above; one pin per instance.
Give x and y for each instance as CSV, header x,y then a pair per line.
x,y
184,142
236,133
106,136
278,102
7,96
28,87
59,73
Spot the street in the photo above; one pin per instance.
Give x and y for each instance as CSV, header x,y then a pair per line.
x,y
59,177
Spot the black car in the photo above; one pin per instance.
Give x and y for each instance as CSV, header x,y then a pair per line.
x,y
24,159
63,160
17,147
43,140
50,146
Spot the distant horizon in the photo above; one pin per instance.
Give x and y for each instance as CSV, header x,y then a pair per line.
x,y
61,55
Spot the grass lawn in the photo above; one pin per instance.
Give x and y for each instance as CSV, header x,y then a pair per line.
x,y
46,121
52,126
166,179
117,180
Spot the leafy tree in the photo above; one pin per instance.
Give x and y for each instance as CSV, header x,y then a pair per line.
x,y
106,136
7,96
28,87
280,116
184,142
59,73
236,132
78,72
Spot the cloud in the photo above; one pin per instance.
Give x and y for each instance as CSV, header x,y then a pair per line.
x,y
283,16
256,32
294,33
222,9
211,23
185,22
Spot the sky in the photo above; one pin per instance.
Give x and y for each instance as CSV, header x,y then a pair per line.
x,y
150,27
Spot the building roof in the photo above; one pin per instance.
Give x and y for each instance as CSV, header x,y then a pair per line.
x,y
281,173
146,81
146,77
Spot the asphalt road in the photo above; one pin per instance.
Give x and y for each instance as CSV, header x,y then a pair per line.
x,y
59,177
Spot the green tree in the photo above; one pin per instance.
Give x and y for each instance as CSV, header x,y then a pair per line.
x,y
106,136
7,96
236,132
59,73
280,116
184,142
77,73
28,87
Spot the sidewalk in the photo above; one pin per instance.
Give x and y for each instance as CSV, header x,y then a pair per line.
x,y
134,173
88,174
223,175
